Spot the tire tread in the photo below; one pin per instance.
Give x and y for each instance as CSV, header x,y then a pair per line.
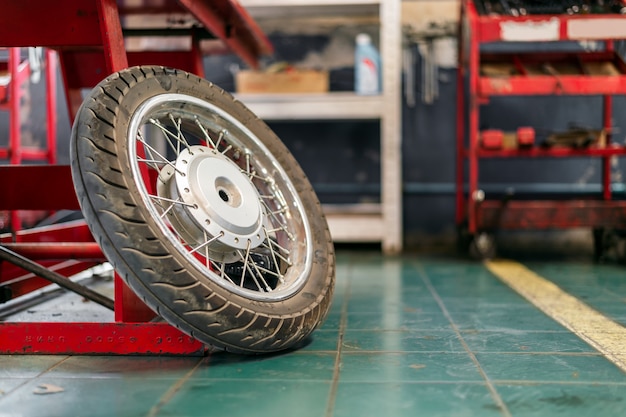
x,y
100,169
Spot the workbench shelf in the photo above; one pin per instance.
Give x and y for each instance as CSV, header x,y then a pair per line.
x,y
516,71
547,73
362,222
557,152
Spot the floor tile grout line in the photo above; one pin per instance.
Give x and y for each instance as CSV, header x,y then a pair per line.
x,y
334,385
414,382
486,331
169,394
463,352
260,379
490,386
462,331
542,353
28,380
557,382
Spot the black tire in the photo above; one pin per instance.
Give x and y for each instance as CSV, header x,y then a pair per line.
x,y
232,247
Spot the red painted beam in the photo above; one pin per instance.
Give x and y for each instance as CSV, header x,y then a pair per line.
x,y
58,250
553,214
232,24
72,231
50,23
111,34
96,339
37,187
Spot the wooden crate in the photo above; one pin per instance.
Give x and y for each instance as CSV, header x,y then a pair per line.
x,y
291,81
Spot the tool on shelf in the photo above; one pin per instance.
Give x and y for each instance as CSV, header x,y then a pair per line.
x,y
534,7
577,137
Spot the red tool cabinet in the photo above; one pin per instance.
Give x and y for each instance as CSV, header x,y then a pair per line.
x,y
89,37
484,75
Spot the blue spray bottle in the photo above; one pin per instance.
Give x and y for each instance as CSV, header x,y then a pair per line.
x,y
367,68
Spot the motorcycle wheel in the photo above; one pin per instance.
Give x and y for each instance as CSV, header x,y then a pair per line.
x,y
202,210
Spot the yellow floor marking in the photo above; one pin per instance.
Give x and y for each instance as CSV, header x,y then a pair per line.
x,y
605,335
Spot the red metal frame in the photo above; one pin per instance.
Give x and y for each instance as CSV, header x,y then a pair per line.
x,y
11,96
471,210
546,28
19,70
550,214
88,36
97,339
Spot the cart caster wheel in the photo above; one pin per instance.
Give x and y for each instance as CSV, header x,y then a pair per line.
x,y
609,245
482,246
463,240
202,210
598,244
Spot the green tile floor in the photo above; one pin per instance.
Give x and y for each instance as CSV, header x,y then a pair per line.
x,y
413,336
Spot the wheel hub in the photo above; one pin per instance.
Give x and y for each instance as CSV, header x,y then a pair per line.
x,y
220,212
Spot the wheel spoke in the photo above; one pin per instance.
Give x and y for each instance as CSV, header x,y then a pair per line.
x,y
283,251
221,267
246,268
164,159
180,137
253,175
279,222
205,133
153,163
281,229
262,270
228,148
245,264
250,174
167,138
279,211
278,229
157,199
260,275
207,260
169,135
149,159
219,139
208,242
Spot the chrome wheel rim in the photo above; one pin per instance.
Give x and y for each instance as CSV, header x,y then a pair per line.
x,y
220,197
